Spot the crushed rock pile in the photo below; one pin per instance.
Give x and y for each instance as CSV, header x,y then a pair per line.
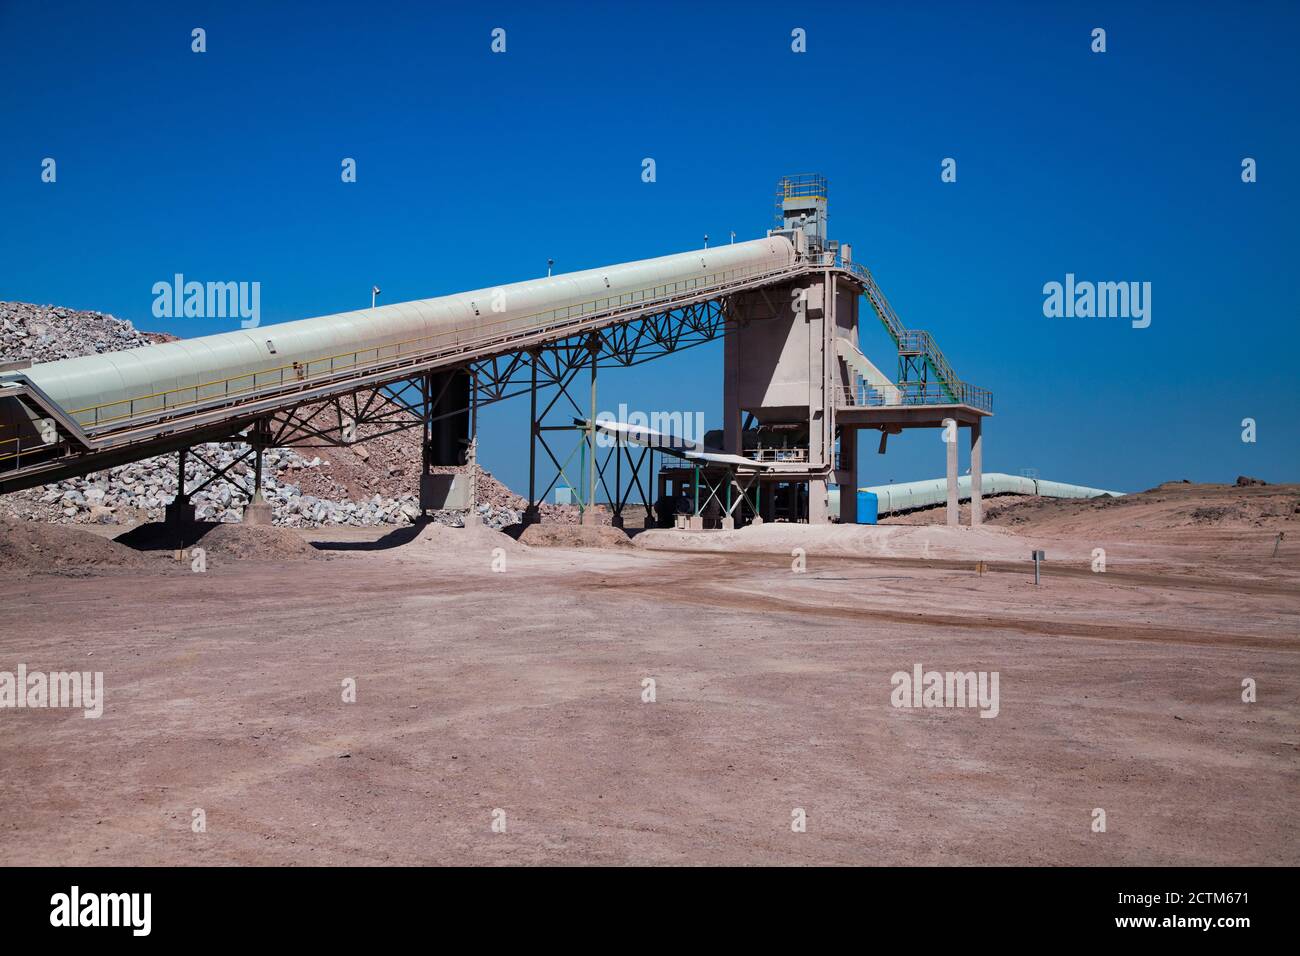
x,y
257,543
140,491
574,536
47,333
472,538
35,546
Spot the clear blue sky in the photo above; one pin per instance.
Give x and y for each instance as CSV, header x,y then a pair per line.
x,y
473,168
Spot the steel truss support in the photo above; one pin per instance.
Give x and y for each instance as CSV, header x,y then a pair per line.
x,y
913,369
348,418
423,401
623,346
624,487
729,490
558,366
257,437
561,367
373,411
225,474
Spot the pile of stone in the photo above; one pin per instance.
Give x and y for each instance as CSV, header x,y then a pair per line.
x,y
47,333
140,491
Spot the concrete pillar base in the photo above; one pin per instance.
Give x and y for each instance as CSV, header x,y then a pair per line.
x,y
695,523
258,513
180,511
532,515
473,520
589,517
818,512
848,476
616,521
954,508
756,520
728,523
650,522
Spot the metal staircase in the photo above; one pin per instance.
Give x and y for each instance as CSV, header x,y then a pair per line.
x,y
870,386
919,356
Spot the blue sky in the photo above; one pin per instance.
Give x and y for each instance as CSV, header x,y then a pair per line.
x,y
473,168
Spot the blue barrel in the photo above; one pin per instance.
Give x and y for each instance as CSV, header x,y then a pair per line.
x,y
868,507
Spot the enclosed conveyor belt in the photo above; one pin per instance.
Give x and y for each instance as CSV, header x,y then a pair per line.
x,y
99,389
934,491
192,386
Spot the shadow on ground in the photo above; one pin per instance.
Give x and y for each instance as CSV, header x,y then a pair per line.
x,y
162,536
393,539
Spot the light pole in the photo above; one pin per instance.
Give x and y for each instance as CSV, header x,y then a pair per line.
x,y
706,240
549,264
374,293
733,237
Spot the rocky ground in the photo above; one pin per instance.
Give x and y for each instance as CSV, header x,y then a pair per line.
x,y
374,483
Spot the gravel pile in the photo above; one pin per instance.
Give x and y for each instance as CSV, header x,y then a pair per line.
x,y
30,546
257,542
47,333
574,536
448,540
140,491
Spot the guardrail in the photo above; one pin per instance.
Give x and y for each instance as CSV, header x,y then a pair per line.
x,y
312,371
893,324
16,451
778,454
802,186
913,342
918,393
671,459
12,449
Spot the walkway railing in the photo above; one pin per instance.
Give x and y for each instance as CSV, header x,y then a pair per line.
x,y
778,454
919,393
910,342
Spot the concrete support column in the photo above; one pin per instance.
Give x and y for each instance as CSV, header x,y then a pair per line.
x,y
848,470
976,472
954,509
257,511
817,509
731,416
728,521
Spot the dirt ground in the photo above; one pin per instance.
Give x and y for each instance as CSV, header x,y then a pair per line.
x,y
505,684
